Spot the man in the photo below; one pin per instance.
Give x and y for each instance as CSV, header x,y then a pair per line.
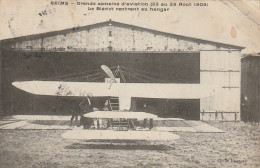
x,y
86,106
245,113
106,106
74,115
145,120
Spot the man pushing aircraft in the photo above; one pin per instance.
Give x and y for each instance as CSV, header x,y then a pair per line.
x,y
86,106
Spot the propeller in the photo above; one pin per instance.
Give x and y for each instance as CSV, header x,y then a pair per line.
x,y
109,73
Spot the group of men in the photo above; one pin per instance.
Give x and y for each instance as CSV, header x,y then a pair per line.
x,y
86,106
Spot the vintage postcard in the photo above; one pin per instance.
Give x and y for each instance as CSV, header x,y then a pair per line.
x,y
129,83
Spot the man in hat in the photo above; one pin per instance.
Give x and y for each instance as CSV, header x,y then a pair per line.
x,y
86,106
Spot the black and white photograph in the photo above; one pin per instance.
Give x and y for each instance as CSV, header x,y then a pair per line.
x,y
129,83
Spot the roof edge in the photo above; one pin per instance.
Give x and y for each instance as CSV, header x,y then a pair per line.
x,y
77,29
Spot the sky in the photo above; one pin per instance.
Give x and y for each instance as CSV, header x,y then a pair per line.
x,y
234,22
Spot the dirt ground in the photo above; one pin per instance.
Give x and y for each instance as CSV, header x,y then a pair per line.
x,y
238,147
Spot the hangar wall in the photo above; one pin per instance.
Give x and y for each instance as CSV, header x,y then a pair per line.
x,y
219,63
223,69
113,36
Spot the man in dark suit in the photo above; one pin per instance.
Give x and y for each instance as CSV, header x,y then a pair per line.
x,y
86,106
74,115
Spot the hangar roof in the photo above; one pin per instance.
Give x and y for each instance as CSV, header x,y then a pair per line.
x,y
75,29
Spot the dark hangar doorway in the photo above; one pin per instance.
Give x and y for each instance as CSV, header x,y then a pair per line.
x,y
27,65
188,109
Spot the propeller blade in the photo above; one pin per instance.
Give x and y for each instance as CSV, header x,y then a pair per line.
x,y
108,72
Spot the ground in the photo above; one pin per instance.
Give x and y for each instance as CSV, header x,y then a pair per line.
x,y
237,147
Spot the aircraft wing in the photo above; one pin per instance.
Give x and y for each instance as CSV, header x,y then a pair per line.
x,y
121,114
143,90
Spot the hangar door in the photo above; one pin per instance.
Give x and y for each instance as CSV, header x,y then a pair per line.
x,y
53,66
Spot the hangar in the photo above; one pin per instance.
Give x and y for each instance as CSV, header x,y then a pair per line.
x,y
166,57
250,88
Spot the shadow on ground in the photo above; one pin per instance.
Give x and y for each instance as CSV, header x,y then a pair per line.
x,y
119,146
